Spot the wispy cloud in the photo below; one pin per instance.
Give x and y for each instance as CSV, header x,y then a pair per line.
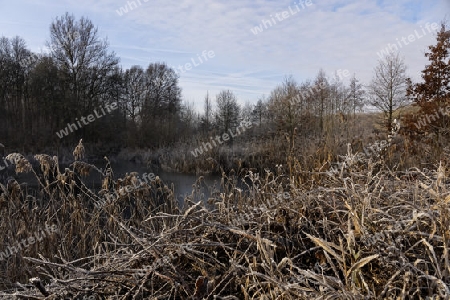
x,y
330,34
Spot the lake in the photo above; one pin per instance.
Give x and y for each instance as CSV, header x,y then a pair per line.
x,y
182,183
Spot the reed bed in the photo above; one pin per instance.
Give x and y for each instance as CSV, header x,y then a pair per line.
x,y
362,232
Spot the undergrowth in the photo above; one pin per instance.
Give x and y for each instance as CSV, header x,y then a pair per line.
x,y
357,231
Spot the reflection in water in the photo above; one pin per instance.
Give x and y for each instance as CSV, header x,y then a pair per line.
x,y
183,185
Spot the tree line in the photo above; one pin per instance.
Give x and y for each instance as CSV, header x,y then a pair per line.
x,y
40,94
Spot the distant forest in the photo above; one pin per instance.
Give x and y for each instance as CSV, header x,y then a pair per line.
x,y
42,94
78,90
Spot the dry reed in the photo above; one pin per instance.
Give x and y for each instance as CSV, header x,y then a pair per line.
x,y
365,232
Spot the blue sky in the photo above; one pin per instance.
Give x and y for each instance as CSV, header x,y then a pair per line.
x,y
309,35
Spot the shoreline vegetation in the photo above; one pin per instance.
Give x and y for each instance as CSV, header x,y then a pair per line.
x,y
359,232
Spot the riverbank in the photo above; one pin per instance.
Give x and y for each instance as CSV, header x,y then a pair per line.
x,y
355,234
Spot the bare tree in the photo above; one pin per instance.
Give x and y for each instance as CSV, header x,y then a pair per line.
x,y
45,87
246,111
207,117
387,90
134,93
228,111
83,59
285,109
163,95
355,95
260,111
14,78
187,122
162,104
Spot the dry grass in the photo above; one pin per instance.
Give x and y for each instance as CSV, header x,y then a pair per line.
x,y
365,232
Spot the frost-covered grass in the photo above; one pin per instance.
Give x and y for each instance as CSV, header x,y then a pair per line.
x,y
363,232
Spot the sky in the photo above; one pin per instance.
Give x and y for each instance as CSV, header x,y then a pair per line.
x,y
246,46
